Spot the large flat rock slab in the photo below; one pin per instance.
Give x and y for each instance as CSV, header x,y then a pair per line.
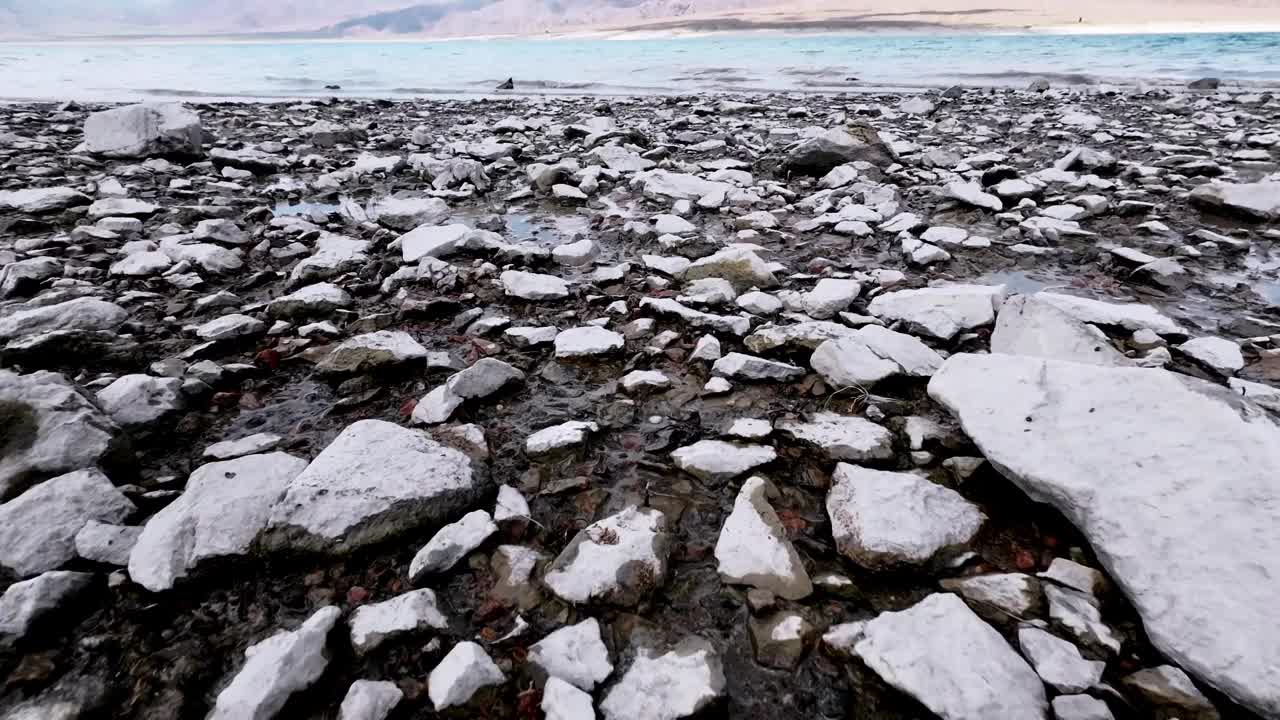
x,y
1173,480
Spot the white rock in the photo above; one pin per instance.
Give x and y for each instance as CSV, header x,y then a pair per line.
x,y
559,437
575,654
142,130
1075,576
465,670
219,514
1027,325
312,300
562,701
276,668
370,351
484,378
707,348
749,367
134,400
228,327
38,528
250,445
106,543
738,265
1218,353
407,213
1170,479
370,700
452,543
871,354
645,380
374,480
587,341
999,596
511,505
714,323
830,296
27,602
141,264
673,685
941,312
531,336
84,313
616,560
971,193
841,437
880,519
956,665
414,611
1058,662
431,241
42,200
1254,201
1130,316
759,303
1079,614
1080,707
753,548
533,286
718,461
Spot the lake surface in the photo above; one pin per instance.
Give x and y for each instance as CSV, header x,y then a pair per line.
x,y
748,62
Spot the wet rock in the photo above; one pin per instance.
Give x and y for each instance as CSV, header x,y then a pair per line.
x,y
1218,353
38,528
375,480
780,640
1080,707
716,323
740,266
486,377
717,461
1075,576
1058,662
533,286
740,366
557,438
617,560
999,597
1080,615
81,314
562,701
407,213
371,351
871,354
106,543
28,602
143,130
941,312
666,185
830,296
971,193
513,568
134,400
464,671
220,513
575,654
1130,316
1169,692
753,548
1252,201
25,276
880,519
276,668
1028,325
452,543
820,154
414,611
943,655
370,700
51,428
1167,477
672,685
587,341
841,437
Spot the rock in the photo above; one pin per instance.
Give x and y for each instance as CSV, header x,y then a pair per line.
x,y
998,597
26,603
533,286
486,377
326,134
971,193
86,313
51,428
220,514
822,153
372,351
575,654
375,480
1080,707
717,461
1258,201
779,640
276,668
572,434
134,400
1075,576
716,323
617,560
957,666
513,567
1169,692
122,207
1028,325
452,543
1169,479
644,381
464,671
1079,614
562,701
42,200
881,519
106,543
673,685
414,611
1058,662
830,296
432,241
251,445
587,341
841,437
141,264
1218,353
740,366
663,184
871,354
370,700
25,276
753,548
407,213
211,258
1208,83
708,349
575,253
941,312
917,105
38,528
143,130
1130,316
740,266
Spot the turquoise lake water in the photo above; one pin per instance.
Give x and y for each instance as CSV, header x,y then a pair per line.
x,y
796,62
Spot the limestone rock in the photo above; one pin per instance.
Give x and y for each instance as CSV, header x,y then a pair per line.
x,y
841,437
143,130
718,461
26,603
780,639
134,400
1168,691
753,548
534,286
276,668
575,654
999,597
38,528
562,701
1058,662
941,312
370,700
1258,201
452,543
616,560
587,341
414,611
465,670
829,149
370,351
740,366
871,354
1028,325
669,686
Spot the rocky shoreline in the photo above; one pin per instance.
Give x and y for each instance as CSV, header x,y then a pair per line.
x,y
875,406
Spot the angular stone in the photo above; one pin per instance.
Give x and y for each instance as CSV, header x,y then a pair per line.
x,y
841,437
251,445
533,286
230,327
452,543
753,548
740,366
407,213
42,200
1058,662
718,461
740,266
464,671
432,241
370,700
1258,201
871,354
38,528
1218,353
1168,477
26,603
669,686
999,597
780,639
86,313
560,437
1169,692
941,312
881,519
1029,326
370,351
971,193
414,611
617,560
374,481
562,701
106,543
134,400
1130,316
1080,615
312,300
820,154
587,341
143,130
1080,707
575,654
276,668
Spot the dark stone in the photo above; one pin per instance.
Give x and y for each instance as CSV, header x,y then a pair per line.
x,y
510,84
